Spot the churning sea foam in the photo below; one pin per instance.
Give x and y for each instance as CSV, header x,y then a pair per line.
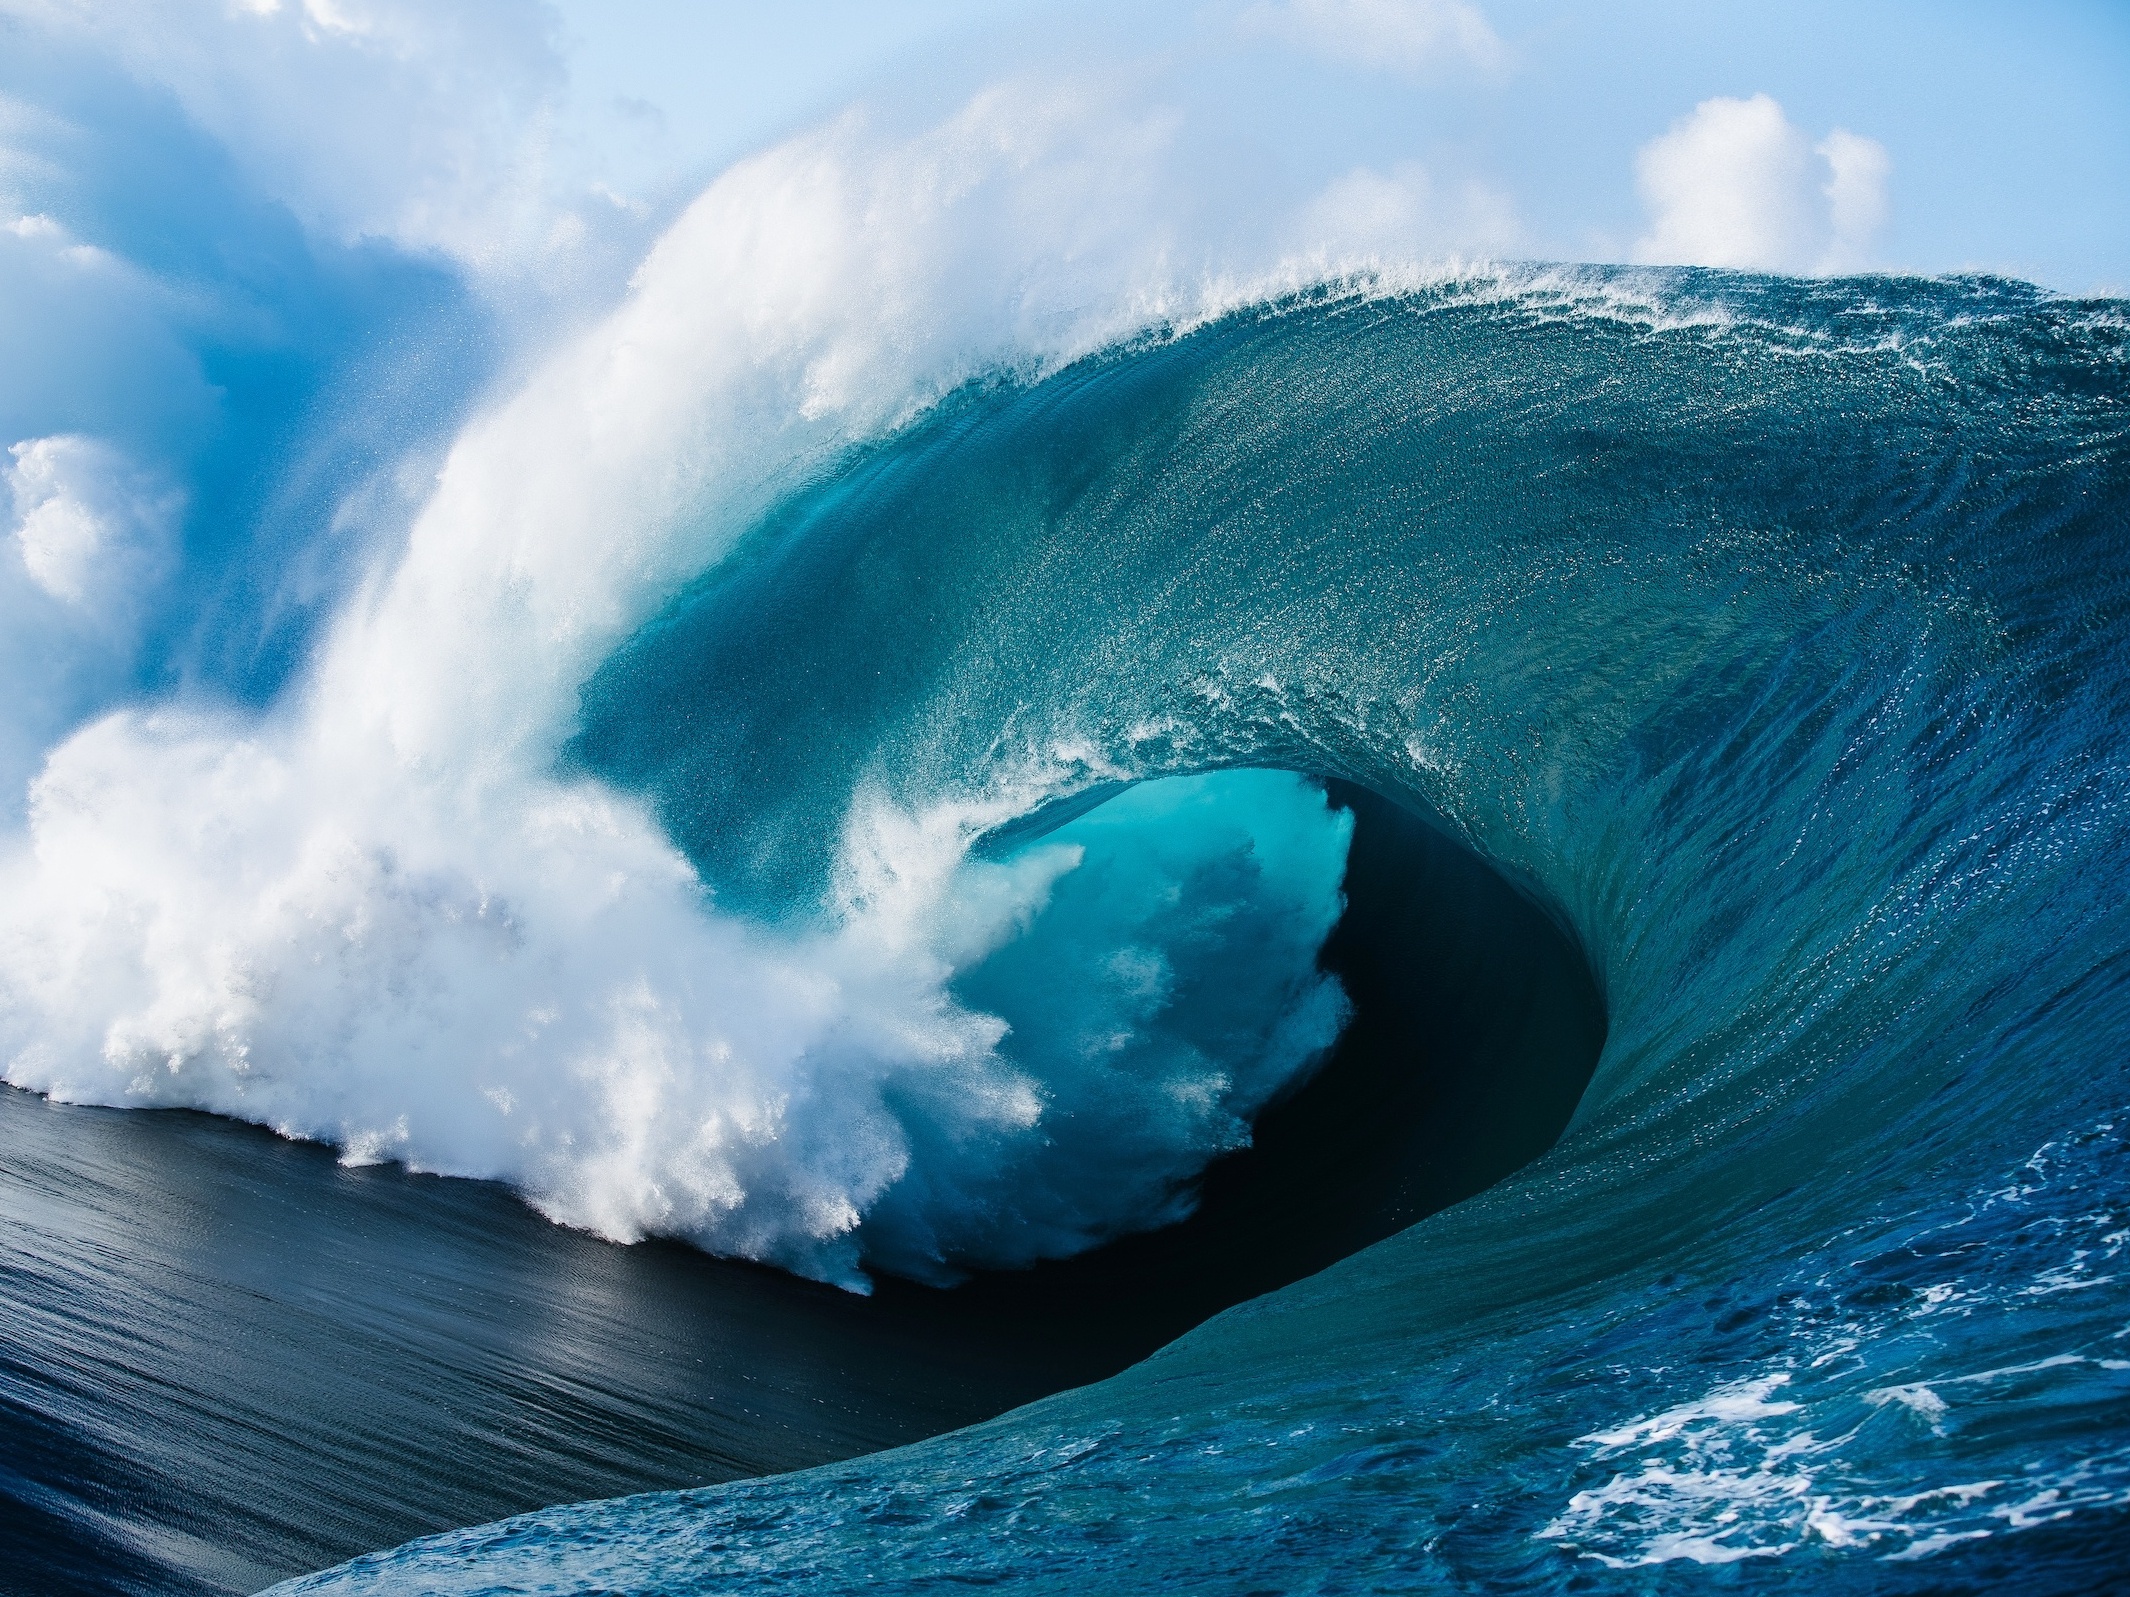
x,y
377,916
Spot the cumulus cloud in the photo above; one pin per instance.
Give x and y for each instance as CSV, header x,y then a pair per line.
x,y
1406,213
423,124
90,342
1857,171
1402,36
92,530
90,539
1735,183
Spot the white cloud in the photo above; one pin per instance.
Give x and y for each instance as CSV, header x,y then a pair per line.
x,y
1403,36
87,540
1737,184
92,530
1856,194
425,124
1407,214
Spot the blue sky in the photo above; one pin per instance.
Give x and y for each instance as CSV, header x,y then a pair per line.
x,y
2007,125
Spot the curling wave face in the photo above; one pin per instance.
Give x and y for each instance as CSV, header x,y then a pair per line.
x,y
1772,634
385,914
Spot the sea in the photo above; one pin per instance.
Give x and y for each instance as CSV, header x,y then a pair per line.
x,y
1401,934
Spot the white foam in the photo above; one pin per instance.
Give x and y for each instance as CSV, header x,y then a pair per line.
x,y
1784,1460
376,916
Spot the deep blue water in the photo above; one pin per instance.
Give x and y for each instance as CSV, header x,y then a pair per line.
x,y
1772,638
226,1358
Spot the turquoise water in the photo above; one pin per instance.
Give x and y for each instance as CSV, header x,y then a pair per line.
x,y
1773,637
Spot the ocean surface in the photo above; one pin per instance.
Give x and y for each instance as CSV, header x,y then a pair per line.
x,y
228,1358
1772,638
1548,849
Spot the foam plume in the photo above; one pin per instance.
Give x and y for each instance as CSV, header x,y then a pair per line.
x,y
376,915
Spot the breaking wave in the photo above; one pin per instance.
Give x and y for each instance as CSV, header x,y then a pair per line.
x,y
1770,633
835,773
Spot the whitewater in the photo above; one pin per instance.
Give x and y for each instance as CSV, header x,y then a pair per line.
x,y
834,773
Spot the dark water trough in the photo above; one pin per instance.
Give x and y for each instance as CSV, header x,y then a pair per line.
x,y
225,1359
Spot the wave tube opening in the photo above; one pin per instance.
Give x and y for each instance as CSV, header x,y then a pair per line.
x,y
1472,1025
500,1363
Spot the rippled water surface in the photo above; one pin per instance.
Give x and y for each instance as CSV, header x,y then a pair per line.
x,y
1771,637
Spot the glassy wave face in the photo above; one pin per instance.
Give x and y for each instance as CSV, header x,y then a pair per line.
x,y
1773,635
